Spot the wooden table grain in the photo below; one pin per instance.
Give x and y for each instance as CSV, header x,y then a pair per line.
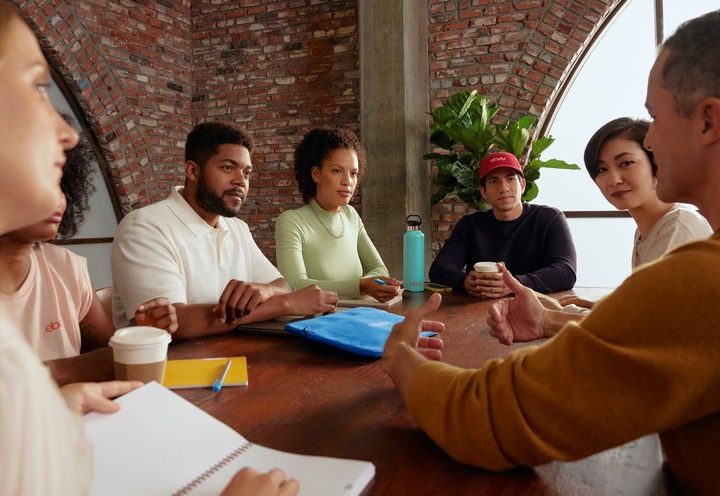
x,y
310,399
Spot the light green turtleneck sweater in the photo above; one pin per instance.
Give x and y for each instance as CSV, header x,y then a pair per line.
x,y
333,251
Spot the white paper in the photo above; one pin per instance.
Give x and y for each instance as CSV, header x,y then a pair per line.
x,y
158,443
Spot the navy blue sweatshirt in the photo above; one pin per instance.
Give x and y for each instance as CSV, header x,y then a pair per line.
x,y
537,248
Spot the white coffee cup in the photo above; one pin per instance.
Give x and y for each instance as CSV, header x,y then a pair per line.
x,y
140,353
485,267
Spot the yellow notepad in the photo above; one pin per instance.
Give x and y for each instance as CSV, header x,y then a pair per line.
x,y
203,372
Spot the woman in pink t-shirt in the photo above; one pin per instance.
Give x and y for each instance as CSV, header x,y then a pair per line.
x,y
48,293
43,451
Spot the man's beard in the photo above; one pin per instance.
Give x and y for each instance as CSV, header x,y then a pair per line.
x,y
211,201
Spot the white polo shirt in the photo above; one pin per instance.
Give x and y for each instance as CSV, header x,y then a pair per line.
x,y
167,249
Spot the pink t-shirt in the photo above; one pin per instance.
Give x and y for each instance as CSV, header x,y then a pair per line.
x,y
55,297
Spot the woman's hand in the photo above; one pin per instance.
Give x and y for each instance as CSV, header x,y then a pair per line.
x,y
383,291
250,482
84,397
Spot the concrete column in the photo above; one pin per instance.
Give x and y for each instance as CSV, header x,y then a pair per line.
x,y
394,99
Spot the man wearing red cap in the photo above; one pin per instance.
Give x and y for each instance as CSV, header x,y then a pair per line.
x,y
645,360
533,241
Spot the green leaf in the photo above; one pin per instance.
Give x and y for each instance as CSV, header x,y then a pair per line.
x,y
445,163
464,175
441,139
434,156
531,174
539,146
557,164
463,126
467,104
518,135
531,192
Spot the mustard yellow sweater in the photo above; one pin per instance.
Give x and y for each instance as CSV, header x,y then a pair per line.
x,y
646,359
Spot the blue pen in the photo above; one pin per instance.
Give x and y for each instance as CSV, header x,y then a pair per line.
x,y
379,281
219,382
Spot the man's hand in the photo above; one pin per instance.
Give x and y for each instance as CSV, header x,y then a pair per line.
x,y
518,319
486,284
381,292
405,350
310,301
84,397
158,312
250,482
239,299
575,300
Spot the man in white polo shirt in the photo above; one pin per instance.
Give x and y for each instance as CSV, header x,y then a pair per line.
x,y
193,249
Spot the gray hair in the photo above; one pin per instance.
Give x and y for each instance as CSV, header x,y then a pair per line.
x,y
692,67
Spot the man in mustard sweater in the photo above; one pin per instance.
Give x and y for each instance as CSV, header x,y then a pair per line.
x,y
646,359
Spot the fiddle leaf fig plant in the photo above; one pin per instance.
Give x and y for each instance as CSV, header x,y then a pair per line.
x,y
463,128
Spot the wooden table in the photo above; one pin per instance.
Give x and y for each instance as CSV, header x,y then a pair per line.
x,y
310,399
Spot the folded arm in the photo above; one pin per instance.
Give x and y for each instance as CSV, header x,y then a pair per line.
x,y
448,268
348,274
93,366
201,320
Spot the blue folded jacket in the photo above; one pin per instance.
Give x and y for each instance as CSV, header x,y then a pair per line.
x,y
361,330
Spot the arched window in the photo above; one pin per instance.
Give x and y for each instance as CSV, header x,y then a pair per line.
x,y
94,239
611,83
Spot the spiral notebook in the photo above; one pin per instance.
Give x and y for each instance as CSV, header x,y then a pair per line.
x,y
161,444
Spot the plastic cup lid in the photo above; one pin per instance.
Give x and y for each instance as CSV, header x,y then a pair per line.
x,y
485,267
139,337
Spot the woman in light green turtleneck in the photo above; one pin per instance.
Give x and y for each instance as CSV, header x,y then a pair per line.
x,y
325,242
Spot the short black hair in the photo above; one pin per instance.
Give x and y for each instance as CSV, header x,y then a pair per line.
x,y
205,139
76,184
315,147
623,127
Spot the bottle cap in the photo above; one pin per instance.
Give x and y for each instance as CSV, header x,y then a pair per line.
x,y
413,222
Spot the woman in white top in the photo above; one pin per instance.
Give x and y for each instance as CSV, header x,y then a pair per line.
x,y
42,447
625,173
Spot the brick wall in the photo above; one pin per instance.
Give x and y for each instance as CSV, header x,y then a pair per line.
x,y
515,52
128,65
144,72
279,68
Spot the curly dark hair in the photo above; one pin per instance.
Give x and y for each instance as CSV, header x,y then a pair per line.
x,y
315,147
77,184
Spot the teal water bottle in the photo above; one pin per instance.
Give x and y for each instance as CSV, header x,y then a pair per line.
x,y
413,255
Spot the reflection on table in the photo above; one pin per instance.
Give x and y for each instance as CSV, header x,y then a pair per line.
x,y
310,399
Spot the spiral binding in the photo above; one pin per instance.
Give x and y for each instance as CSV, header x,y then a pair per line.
x,y
213,470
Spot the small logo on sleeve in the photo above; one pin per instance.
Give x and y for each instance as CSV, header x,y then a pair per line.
x,y
53,326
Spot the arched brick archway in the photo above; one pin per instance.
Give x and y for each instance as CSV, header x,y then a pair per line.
x,y
520,54
144,73
134,97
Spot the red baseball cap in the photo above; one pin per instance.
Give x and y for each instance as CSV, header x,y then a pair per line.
x,y
499,159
